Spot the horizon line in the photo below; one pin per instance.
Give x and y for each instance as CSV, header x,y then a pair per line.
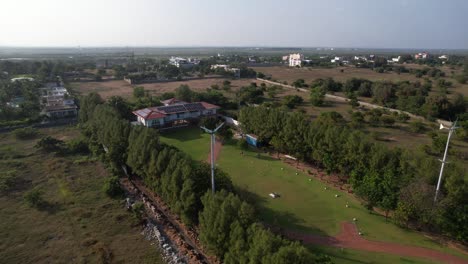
x,y
223,46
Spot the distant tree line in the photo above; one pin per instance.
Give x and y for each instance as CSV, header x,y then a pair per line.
x,y
384,178
228,226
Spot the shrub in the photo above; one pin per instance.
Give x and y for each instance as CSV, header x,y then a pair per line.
x,y
402,117
387,120
34,198
25,133
49,144
242,144
77,146
112,187
7,179
417,127
138,210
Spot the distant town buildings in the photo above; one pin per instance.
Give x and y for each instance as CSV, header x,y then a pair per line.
x,y
421,55
227,68
335,60
360,58
296,59
183,62
395,60
174,113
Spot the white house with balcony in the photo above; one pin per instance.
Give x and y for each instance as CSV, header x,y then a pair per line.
x,y
296,59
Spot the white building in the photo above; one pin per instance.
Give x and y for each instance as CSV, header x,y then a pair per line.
x,y
421,55
358,58
335,60
396,60
183,63
235,71
443,57
296,59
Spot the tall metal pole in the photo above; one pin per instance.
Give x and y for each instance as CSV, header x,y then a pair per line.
x,y
444,160
212,146
212,162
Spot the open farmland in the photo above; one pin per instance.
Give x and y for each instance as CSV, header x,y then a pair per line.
x,y
121,88
310,74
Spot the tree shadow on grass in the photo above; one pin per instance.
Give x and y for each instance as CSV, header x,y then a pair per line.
x,y
278,221
183,134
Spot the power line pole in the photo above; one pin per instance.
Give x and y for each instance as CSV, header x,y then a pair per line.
x,y
212,145
444,160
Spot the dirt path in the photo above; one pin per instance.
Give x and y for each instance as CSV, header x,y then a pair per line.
x,y
350,238
217,150
362,103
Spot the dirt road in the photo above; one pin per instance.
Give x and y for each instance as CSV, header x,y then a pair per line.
x,y
349,238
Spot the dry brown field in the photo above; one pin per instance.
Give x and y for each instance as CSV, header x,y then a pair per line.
x,y
310,74
121,88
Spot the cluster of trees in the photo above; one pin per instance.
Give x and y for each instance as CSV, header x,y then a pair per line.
x,y
407,96
227,225
25,94
379,175
229,229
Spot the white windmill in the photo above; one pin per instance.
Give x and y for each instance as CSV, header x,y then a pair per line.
x,y
444,160
213,140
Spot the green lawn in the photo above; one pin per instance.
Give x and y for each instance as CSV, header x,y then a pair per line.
x,y
304,205
77,224
349,256
191,141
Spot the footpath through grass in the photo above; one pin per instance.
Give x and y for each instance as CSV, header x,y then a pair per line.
x,y
304,204
78,223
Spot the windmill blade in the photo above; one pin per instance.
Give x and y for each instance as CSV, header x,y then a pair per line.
x,y
216,130
206,130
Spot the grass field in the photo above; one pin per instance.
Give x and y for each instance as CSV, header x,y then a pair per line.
x,y
304,205
349,256
77,224
122,88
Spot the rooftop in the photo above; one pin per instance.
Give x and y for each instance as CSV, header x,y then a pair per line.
x,y
162,111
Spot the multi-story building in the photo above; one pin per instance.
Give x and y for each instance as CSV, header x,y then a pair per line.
x,y
295,59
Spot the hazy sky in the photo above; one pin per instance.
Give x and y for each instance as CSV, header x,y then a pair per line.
x,y
305,23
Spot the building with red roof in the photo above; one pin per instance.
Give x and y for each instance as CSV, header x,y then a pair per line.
x,y
168,115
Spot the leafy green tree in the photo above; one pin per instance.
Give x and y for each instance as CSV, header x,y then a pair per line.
x,y
121,106
184,93
291,101
317,96
87,105
112,187
139,92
